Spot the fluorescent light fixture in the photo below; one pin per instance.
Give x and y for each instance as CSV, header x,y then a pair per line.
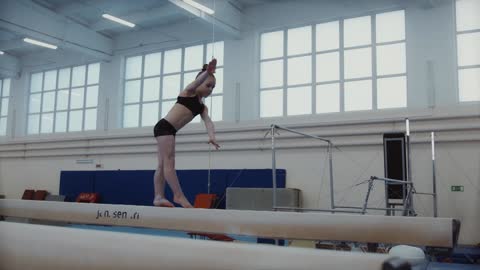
x,y
39,43
118,20
1,52
199,6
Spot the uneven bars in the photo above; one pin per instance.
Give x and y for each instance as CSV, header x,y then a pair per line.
x,y
301,133
427,231
273,127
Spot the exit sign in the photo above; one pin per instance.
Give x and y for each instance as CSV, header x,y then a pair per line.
x,y
456,188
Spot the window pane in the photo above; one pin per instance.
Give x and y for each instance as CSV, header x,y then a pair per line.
x,y
299,40
6,88
3,126
132,91
34,105
166,106
92,96
358,63
271,103
62,100
467,15
391,59
469,49
219,81
271,45
357,32
358,95
328,98
217,52
469,84
171,86
47,123
328,67
36,82
48,102
194,58
91,119
64,78
328,37
151,89
4,111
299,100
78,76
271,74
188,78
93,73
152,65
50,80
149,114
215,107
130,115
76,98
299,70
390,26
133,68
173,60
392,92
196,119
61,122
76,121
33,124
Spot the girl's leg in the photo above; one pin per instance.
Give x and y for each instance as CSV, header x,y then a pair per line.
x,y
159,179
168,154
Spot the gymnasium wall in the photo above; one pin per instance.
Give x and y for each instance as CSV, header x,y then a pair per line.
x,y
36,161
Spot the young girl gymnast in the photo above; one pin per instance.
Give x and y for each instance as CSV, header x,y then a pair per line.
x,y
189,104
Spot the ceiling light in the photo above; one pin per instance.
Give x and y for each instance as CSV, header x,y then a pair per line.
x,y
118,20
199,6
39,43
1,52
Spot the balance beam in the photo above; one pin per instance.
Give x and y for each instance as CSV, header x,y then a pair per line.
x,y
432,232
27,246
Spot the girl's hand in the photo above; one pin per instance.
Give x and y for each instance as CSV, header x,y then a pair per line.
x,y
212,66
214,143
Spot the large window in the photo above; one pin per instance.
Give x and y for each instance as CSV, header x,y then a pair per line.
x,y
153,82
4,101
346,65
64,100
468,49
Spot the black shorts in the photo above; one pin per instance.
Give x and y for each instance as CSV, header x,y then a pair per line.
x,y
163,128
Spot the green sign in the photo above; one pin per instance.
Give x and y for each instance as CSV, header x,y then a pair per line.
x,y
457,188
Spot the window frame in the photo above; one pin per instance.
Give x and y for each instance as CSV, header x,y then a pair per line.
x,y
457,66
341,51
9,97
84,108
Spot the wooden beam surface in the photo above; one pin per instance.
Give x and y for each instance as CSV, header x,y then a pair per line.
x,y
27,246
434,232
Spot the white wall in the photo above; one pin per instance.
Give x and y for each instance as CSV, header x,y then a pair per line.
x,y
36,162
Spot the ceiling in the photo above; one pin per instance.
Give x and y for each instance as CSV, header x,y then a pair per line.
x,y
78,25
89,13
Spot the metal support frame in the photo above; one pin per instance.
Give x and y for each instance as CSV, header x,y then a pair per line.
x,y
410,191
273,129
408,184
407,202
407,208
434,178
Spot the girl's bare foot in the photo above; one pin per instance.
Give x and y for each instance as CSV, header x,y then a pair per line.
x,y
162,202
182,201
